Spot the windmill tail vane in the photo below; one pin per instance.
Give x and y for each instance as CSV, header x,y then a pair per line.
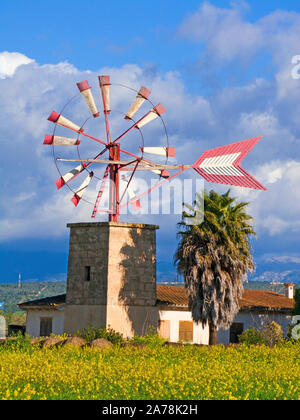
x,y
221,165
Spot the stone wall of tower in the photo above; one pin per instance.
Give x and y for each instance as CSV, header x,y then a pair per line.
x,y
120,291
88,248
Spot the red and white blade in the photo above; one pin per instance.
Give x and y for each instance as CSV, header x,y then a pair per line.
x,y
150,116
61,120
162,151
142,95
161,172
87,95
222,165
136,204
60,141
79,193
69,175
104,82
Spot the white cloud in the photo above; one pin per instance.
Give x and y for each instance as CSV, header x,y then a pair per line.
x,y
224,30
34,208
10,61
276,211
283,259
227,33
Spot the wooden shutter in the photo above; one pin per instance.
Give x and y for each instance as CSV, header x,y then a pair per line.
x,y
186,329
45,326
164,329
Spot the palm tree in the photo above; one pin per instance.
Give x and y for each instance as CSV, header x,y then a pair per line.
x,y
214,257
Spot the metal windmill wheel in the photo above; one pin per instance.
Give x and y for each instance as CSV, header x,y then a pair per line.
x,y
220,165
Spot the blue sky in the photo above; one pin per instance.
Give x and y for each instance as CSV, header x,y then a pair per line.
x,y
222,69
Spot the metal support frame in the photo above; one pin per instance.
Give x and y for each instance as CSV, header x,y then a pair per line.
x,y
114,154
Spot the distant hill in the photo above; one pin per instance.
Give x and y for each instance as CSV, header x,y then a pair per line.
x,y
264,285
11,295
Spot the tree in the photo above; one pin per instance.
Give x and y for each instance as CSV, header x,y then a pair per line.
x,y
296,310
214,257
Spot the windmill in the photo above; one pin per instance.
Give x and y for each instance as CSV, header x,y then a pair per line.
x,y
220,165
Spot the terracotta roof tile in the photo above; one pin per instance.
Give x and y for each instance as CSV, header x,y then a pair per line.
x,y
267,299
176,296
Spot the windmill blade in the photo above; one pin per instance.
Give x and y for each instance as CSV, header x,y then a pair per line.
x,y
70,175
142,95
150,116
222,165
131,193
79,193
137,204
61,120
155,186
87,95
161,172
104,82
162,151
60,141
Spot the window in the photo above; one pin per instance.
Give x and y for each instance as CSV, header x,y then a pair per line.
x,y
236,329
186,329
45,326
164,329
87,273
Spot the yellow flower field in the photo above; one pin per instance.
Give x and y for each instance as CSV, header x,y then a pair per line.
x,y
160,372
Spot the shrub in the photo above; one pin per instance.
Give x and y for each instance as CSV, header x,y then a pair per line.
x,y
18,342
251,336
91,333
272,334
151,338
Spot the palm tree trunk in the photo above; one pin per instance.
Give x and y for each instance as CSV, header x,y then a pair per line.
x,y
213,339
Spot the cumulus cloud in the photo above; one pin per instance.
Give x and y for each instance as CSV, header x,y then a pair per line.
x,y
276,211
286,259
10,61
227,33
234,47
224,30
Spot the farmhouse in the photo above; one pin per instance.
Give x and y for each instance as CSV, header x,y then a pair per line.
x,y
112,282
258,307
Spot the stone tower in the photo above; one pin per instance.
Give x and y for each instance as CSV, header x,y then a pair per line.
x,y
111,277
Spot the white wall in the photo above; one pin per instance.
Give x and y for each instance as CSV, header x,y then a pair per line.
x,y
200,334
33,321
258,321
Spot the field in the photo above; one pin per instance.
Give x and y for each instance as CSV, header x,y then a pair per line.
x,y
151,372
